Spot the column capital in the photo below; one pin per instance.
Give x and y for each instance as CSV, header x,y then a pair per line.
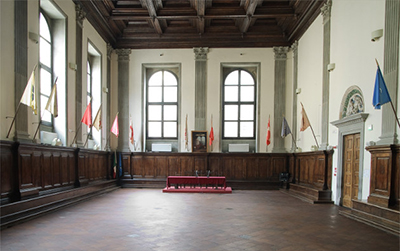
x,y
294,47
280,52
326,10
109,51
200,53
80,15
123,54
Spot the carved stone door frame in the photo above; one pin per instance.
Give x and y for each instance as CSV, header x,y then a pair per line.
x,y
350,125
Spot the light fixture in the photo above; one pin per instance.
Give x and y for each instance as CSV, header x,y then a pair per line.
x,y
375,35
331,67
34,37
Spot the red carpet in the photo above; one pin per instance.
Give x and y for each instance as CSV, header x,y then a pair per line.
x,y
196,190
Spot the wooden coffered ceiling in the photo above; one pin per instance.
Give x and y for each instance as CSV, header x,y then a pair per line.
x,y
144,24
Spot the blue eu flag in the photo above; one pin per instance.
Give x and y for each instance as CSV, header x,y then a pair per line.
x,y
381,94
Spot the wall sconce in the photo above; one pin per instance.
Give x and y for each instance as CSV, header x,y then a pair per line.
x,y
73,66
331,67
34,37
375,35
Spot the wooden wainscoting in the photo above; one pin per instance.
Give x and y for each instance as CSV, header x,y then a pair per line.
x,y
311,176
242,170
36,179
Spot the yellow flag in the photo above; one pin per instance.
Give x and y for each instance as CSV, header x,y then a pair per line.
x,y
97,120
52,103
29,96
305,123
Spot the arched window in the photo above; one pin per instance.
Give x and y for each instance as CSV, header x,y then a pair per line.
x,y
46,68
162,105
239,105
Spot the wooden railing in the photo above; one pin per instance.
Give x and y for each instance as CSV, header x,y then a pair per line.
x,y
29,169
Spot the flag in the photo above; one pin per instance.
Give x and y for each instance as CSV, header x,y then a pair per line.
x,y
211,132
381,94
268,133
114,128
120,165
305,123
29,96
131,132
52,103
285,128
97,120
115,165
211,135
186,134
87,116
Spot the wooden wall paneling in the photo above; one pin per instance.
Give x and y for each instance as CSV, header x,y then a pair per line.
x,y
264,168
215,166
82,168
395,197
37,169
227,165
161,167
56,167
252,168
25,170
9,171
126,163
200,164
319,174
148,166
137,166
64,166
173,166
279,165
186,166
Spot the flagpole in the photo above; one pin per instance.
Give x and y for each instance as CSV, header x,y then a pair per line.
x,y
87,138
76,134
17,110
391,103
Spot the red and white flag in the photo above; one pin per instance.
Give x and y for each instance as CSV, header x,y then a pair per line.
x,y
211,132
87,116
268,132
131,138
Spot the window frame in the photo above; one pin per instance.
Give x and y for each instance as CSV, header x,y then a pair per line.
x,y
162,104
46,124
239,103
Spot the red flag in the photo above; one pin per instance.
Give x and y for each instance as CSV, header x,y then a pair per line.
x,y
268,133
114,128
87,117
211,136
131,134
186,134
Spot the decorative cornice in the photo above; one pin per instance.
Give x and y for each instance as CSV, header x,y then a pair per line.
x,y
200,53
109,51
123,54
350,120
80,15
326,10
280,53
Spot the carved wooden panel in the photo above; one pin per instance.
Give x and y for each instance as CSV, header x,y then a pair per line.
x,y
149,166
161,166
173,166
7,169
381,182
264,167
137,166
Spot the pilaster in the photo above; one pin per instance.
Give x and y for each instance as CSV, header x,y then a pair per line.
x,y
294,48
123,99
200,87
279,97
326,13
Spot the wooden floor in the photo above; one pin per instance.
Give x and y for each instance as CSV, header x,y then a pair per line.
x,y
147,219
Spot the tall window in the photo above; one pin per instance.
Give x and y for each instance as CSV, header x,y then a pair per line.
x,y
239,95
162,105
46,67
89,91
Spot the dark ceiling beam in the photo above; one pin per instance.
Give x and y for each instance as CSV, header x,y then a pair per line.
x,y
250,7
153,14
200,7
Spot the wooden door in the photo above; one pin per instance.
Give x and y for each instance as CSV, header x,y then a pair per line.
x,y
351,162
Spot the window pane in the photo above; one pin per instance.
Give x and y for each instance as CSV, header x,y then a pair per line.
x,y
232,78
45,82
155,94
169,78
247,93
45,52
44,28
154,129
246,129
46,116
246,78
231,93
156,79
246,112
154,112
231,112
170,94
170,129
231,129
170,112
